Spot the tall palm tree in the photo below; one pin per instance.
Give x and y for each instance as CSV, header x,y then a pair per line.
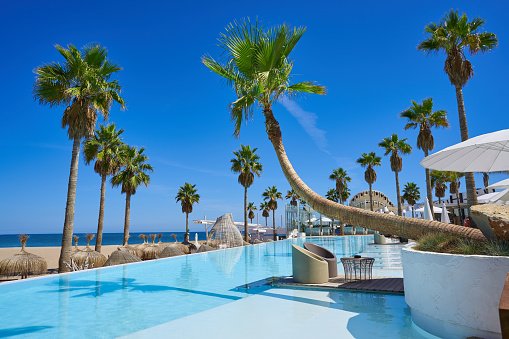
x,y
453,178
345,195
332,195
422,116
454,35
272,194
258,68
395,146
187,195
291,194
341,177
485,179
411,194
251,207
438,180
369,161
133,174
83,84
104,148
246,162
264,207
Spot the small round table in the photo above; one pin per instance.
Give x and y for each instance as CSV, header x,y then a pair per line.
x,y
357,268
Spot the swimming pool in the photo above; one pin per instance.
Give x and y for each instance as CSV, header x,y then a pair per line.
x,y
117,301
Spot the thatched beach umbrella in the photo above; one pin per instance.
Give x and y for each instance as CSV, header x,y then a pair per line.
x,y
120,257
95,259
205,248
170,251
76,249
23,263
132,249
151,251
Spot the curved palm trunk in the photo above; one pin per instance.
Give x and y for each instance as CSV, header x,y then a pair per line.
x,y
186,236
245,214
99,237
400,211
274,223
127,216
405,227
370,197
429,192
65,250
469,177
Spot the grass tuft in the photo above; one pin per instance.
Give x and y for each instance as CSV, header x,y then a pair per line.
x,y
456,244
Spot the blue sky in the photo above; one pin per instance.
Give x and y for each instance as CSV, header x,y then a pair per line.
x,y
364,53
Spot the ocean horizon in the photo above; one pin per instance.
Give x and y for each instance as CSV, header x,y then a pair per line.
x,y
55,240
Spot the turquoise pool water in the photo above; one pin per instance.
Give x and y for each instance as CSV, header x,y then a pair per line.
x,y
117,301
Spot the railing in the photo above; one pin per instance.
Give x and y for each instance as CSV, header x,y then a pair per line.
x,y
503,309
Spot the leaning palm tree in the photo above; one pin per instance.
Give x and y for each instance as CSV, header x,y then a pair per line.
x,y
187,195
293,196
369,161
272,194
454,35
422,116
251,207
264,207
258,68
438,180
246,162
104,148
133,174
395,146
341,178
83,84
411,194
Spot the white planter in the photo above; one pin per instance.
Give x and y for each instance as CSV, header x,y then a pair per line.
x,y
454,295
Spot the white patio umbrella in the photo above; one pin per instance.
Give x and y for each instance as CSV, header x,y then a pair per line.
x,y
427,211
484,153
391,213
445,216
385,209
435,209
501,184
502,196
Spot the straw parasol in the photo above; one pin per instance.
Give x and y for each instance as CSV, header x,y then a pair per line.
x,y
130,248
120,257
76,249
23,263
152,250
95,258
205,248
170,251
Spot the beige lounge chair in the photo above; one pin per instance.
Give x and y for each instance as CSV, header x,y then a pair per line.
x,y
308,268
380,239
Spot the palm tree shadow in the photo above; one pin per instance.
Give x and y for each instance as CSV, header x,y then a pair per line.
x,y
15,331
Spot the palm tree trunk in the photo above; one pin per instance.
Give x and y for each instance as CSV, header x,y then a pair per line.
x,y
400,212
469,177
245,214
266,222
127,216
65,250
460,215
370,197
99,237
405,227
186,236
429,193
274,223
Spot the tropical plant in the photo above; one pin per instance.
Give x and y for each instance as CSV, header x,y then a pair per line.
x,y
251,207
133,174
264,207
332,195
411,194
83,84
104,148
345,195
438,180
291,194
258,68
246,162
454,35
187,195
422,116
271,194
395,146
341,177
369,161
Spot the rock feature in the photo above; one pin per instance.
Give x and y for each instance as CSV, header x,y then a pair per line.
x,y
492,220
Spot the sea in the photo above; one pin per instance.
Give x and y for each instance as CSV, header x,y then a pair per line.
x,y
55,240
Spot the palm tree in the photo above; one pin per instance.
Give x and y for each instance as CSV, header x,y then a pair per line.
x,y
453,178
453,35
438,180
246,163
264,207
396,147
341,178
422,116
251,207
187,195
258,68
411,194
332,195
291,194
271,194
133,174
83,84
485,179
344,195
368,161
104,148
